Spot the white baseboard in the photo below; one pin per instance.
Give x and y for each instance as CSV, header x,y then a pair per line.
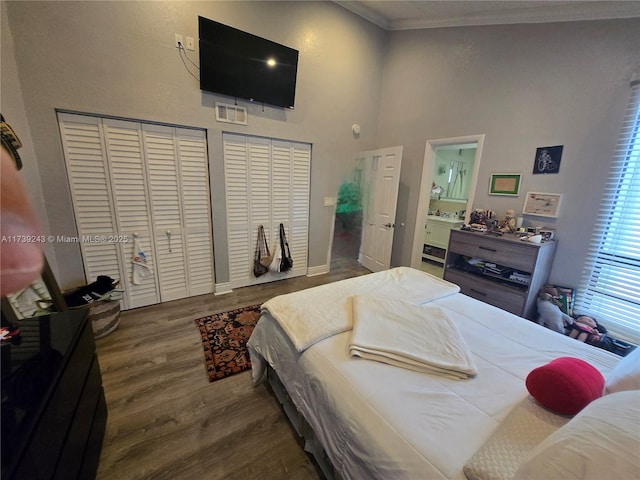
x,y
319,270
222,288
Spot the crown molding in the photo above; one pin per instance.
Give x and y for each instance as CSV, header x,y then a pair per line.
x,y
538,13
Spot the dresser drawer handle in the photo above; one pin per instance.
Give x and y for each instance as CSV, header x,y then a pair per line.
x,y
488,249
478,292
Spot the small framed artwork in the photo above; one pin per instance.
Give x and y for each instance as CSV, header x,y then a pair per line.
x,y
548,159
542,204
504,184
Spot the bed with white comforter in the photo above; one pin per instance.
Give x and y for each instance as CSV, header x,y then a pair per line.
x,y
380,420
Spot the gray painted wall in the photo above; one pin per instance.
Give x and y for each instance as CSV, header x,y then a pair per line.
x,y
13,110
524,86
118,58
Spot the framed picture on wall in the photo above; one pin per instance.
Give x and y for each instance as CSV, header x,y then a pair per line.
x,y
548,159
542,204
504,184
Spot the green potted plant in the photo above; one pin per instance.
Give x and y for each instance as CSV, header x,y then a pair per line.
x,y
349,207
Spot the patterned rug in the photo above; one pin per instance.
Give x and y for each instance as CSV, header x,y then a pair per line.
x,y
224,339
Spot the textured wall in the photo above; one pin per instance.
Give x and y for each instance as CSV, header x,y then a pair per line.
x,y
524,86
118,58
13,111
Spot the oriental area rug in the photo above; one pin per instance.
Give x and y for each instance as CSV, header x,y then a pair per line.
x,y
224,339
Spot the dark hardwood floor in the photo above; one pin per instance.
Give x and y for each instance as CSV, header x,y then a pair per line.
x,y
166,421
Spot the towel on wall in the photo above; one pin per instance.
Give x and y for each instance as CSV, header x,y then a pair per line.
x,y
141,268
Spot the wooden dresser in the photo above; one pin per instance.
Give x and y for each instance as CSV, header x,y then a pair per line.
x,y
53,407
503,271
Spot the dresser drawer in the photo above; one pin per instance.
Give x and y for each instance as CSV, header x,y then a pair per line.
x,y
49,439
80,429
514,254
511,299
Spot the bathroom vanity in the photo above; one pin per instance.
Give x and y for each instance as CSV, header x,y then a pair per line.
x,y
436,236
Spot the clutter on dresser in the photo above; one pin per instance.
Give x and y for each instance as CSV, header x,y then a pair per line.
x,y
508,223
482,220
547,234
486,221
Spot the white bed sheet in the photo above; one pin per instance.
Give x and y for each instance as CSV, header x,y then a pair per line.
x,y
378,421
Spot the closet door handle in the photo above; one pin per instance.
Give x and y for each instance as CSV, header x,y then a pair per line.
x,y
168,232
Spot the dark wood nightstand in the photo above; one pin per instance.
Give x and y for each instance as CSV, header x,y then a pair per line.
x,y
53,407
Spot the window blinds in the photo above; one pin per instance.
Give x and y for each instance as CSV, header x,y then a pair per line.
x,y
610,286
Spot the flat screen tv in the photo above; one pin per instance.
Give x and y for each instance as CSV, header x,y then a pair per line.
x,y
242,65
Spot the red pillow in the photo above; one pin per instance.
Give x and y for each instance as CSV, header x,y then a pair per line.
x,y
565,385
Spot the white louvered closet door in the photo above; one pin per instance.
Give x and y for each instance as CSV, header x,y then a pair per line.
x,y
281,195
166,208
179,187
260,207
86,162
236,174
298,234
151,182
196,208
267,183
290,166
126,163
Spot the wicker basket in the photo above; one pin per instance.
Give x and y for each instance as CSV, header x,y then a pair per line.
x,y
104,316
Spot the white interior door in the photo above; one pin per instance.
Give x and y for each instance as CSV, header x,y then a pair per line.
x,y
381,171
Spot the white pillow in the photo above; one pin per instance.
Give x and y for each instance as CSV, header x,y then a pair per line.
x,y
602,441
519,433
625,375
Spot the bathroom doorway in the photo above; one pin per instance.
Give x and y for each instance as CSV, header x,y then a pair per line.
x,y
447,188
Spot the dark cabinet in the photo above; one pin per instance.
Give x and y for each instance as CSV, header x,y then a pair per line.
x,y
53,408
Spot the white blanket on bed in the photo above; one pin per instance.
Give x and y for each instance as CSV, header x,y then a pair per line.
x,y
417,337
380,422
311,315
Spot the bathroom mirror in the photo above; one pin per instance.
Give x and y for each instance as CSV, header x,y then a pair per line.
x,y
452,172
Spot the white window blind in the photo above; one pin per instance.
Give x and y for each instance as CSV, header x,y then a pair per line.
x,y
610,286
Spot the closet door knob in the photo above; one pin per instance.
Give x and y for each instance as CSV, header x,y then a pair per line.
x,y
168,232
